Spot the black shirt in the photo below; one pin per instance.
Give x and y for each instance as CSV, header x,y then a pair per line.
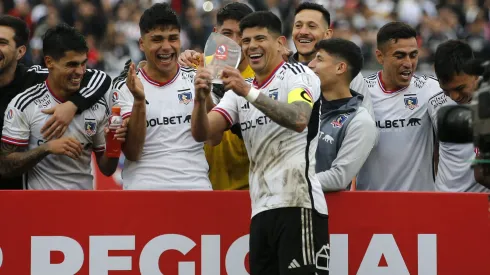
x,y
28,77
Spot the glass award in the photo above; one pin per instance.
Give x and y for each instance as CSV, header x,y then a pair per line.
x,y
221,51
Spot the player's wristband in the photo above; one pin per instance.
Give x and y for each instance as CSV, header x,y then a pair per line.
x,y
252,95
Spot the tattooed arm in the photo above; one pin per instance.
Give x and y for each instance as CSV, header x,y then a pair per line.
x,y
15,160
294,116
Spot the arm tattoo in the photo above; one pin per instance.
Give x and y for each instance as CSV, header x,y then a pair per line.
x,y
294,116
15,160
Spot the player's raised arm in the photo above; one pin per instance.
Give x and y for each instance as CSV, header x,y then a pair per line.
x,y
294,115
208,127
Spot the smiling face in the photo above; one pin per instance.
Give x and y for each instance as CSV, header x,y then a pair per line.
x,y
399,60
9,52
328,68
67,72
162,47
460,88
262,49
309,28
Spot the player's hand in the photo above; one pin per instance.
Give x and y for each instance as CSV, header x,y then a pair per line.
x,y
202,81
67,146
62,115
233,80
120,132
134,84
189,58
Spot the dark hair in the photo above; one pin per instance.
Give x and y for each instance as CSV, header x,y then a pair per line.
x,y
61,39
394,31
451,58
159,15
262,19
346,50
233,11
316,7
19,26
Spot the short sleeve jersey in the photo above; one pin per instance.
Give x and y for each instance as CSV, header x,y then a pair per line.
x,y
171,158
22,127
282,161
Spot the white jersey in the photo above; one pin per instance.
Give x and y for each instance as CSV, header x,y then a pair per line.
x,y
402,160
22,127
171,158
454,172
282,161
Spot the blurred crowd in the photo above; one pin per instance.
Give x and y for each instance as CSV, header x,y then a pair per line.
x,y
111,26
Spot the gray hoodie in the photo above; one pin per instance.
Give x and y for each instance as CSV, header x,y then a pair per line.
x,y
348,133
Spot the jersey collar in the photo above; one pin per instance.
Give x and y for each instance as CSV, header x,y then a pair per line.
x,y
160,84
268,80
382,85
59,100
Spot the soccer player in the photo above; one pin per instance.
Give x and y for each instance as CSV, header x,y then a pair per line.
x,y
454,173
289,226
347,130
159,149
15,78
405,149
312,24
228,161
63,163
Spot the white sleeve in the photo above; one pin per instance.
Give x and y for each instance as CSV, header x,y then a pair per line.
x,y
306,80
16,126
99,142
122,97
360,137
228,107
358,84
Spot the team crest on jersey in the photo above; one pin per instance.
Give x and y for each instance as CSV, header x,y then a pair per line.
x,y
339,121
185,98
411,102
90,127
10,114
274,95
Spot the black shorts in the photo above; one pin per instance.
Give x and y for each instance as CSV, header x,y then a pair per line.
x,y
289,241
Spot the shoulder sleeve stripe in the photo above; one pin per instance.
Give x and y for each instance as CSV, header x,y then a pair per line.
x,y
29,93
224,113
188,69
102,101
438,94
94,84
124,73
14,141
23,105
290,67
38,69
126,115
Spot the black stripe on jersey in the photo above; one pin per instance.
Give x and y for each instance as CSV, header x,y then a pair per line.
x,y
439,93
293,67
25,95
95,82
38,69
118,84
31,98
124,73
188,69
432,77
103,102
410,95
313,129
183,90
371,76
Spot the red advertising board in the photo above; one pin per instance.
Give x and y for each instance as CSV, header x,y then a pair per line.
x,y
187,233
